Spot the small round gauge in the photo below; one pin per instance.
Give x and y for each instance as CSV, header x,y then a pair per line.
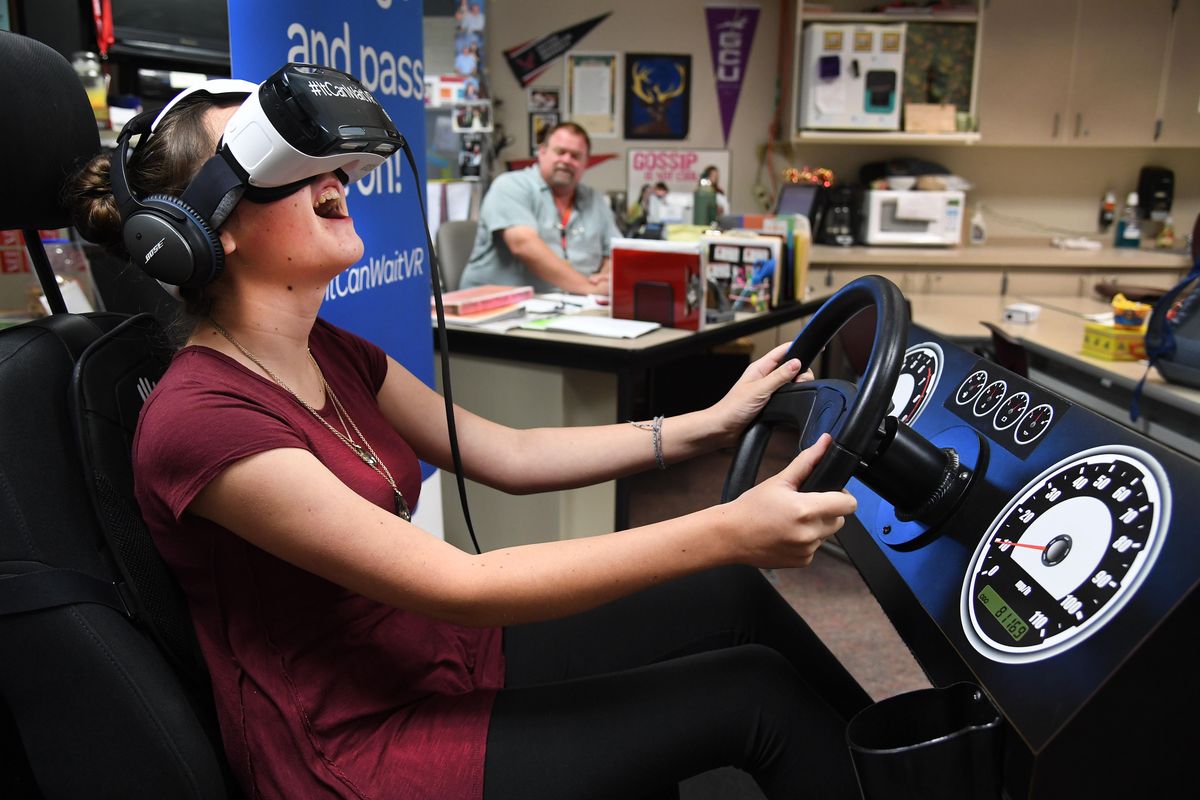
x,y
1011,410
990,398
971,387
1066,554
1034,423
918,378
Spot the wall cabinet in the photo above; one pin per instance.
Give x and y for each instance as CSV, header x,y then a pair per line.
x,y
1180,111
1025,70
1088,72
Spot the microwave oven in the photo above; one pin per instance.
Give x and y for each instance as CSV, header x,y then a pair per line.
x,y
893,217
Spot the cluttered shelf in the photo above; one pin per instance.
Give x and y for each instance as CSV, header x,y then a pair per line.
x,y
1005,253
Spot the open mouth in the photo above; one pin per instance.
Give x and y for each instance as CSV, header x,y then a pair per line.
x,y
330,204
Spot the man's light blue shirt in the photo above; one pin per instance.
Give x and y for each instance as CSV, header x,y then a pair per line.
x,y
524,198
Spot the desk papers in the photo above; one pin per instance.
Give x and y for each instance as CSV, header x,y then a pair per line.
x,y
593,326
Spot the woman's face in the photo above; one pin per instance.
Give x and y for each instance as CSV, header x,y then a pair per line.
x,y
309,233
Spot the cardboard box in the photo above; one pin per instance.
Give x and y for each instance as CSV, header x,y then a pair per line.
x,y
930,117
1112,343
745,268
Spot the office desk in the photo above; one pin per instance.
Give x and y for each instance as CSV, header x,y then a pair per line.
x,y
539,378
1054,343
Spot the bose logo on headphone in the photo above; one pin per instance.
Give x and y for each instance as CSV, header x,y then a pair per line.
x,y
155,249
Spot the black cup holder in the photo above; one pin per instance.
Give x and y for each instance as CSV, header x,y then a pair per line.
x,y
931,744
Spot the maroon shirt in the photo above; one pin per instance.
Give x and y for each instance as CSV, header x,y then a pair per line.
x,y
320,691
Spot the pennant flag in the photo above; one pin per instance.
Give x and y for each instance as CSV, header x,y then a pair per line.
x,y
730,33
531,59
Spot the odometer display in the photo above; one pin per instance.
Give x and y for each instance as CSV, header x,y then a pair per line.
x,y
1008,619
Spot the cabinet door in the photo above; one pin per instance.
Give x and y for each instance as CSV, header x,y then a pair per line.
x,y
1025,71
1119,60
1181,113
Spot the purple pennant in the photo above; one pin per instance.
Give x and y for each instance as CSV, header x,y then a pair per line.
x,y
730,33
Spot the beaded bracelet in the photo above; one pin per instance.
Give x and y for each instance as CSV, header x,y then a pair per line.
x,y
655,429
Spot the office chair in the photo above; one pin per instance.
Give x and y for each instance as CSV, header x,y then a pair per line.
x,y
455,240
102,690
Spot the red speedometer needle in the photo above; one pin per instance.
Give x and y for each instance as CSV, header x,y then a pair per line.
x,y
1021,544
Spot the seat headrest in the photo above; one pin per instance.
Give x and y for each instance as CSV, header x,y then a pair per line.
x,y
49,132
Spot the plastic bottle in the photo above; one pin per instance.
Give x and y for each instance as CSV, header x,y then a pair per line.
x,y
87,67
74,273
1129,228
1108,211
978,233
704,204
1165,240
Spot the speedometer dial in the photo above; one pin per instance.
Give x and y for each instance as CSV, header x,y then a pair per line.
x,y
918,379
1066,554
971,387
1034,424
1011,411
990,397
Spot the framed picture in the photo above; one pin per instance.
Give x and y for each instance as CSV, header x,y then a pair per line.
x,y
658,96
592,96
543,98
540,123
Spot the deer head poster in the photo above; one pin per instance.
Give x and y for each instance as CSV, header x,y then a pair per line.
x,y
658,96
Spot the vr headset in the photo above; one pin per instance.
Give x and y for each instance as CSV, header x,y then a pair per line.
x,y
301,122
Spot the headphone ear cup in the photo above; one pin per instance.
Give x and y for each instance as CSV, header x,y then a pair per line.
x,y
173,243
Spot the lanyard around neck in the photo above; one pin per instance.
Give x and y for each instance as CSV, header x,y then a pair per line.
x,y
565,216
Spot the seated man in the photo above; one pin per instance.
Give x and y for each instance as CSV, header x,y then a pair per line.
x,y
541,227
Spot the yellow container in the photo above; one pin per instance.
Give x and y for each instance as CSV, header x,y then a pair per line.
x,y
1113,343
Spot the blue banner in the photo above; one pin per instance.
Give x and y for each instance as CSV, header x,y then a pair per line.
x,y
384,297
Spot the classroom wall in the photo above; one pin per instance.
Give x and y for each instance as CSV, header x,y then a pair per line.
x,y
1025,191
637,26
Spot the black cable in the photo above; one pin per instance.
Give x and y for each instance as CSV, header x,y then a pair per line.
x,y
443,347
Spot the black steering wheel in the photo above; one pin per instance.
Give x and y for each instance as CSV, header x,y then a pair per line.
x,y
851,414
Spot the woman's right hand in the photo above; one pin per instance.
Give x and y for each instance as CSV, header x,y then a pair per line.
x,y
776,525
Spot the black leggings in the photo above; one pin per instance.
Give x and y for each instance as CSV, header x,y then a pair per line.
x,y
629,699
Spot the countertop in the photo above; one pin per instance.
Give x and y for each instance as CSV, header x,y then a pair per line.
x,y
999,252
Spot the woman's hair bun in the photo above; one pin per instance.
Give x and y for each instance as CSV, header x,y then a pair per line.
x,y
89,198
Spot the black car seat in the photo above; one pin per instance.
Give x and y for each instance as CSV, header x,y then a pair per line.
x,y
102,691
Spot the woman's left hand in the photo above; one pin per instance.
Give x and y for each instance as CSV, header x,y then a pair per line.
x,y
741,404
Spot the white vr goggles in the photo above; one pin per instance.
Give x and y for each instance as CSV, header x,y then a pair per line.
x,y
301,122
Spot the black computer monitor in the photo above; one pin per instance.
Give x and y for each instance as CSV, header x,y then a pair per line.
x,y
797,198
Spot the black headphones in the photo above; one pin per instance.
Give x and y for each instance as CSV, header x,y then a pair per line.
x,y
174,239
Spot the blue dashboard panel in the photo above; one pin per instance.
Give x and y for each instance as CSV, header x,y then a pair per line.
x,y
1073,545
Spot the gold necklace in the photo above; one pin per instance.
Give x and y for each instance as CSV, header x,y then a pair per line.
x,y
363,451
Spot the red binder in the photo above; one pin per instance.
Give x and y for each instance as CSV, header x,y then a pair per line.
x,y
657,281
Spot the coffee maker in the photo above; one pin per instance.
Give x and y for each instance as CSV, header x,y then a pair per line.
x,y
1156,190
839,220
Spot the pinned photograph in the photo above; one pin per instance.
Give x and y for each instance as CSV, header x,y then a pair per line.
x,y
470,158
469,17
472,117
540,123
543,99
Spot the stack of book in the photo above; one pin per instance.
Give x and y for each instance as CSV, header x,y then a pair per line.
x,y
481,304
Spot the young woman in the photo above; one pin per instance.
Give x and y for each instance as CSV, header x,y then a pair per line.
x,y
712,177
354,655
